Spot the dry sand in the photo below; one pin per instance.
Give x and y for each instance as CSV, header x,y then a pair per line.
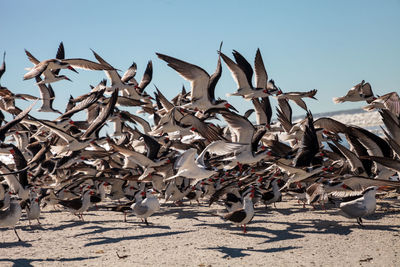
x,y
195,236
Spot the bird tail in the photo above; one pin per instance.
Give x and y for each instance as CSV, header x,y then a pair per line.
x,y
337,100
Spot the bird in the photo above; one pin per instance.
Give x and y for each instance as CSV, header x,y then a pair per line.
x,y
146,207
78,205
10,217
47,67
362,206
389,101
359,92
296,97
47,96
202,84
242,73
245,215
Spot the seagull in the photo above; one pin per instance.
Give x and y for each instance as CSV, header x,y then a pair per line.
x,y
362,206
147,207
10,216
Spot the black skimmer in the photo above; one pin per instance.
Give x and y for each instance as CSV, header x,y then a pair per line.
x,y
78,205
389,101
273,194
47,96
296,97
358,92
147,207
245,215
242,73
47,67
203,85
309,146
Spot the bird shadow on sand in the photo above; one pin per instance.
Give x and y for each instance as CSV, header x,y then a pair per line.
x,y
47,261
15,244
100,229
184,212
112,240
241,252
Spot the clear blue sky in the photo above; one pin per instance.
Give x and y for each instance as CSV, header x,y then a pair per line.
x,y
327,45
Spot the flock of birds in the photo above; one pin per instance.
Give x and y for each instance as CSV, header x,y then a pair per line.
x,y
192,147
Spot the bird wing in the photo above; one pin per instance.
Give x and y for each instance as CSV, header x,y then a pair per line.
x,y
214,78
31,58
60,55
88,101
219,148
111,74
359,183
354,208
104,114
4,129
147,76
244,65
202,128
130,73
186,160
137,157
198,77
261,76
237,72
236,216
139,208
86,64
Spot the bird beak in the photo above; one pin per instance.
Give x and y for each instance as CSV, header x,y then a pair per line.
x,y
71,68
68,79
229,106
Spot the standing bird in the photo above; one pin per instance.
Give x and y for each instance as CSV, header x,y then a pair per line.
x,y
245,215
10,217
361,206
145,208
78,205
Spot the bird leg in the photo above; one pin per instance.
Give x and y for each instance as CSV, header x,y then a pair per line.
x,y
124,216
359,221
147,223
244,229
15,231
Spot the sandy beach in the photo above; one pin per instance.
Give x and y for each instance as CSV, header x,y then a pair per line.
x,y
192,235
